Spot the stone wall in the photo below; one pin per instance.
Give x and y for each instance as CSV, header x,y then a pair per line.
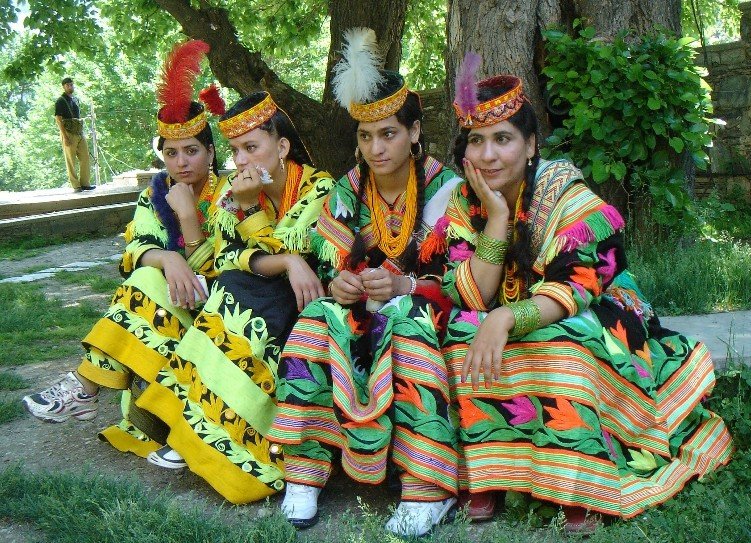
x,y
729,74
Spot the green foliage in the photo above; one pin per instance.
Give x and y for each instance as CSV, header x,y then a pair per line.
x,y
638,105
424,44
35,329
690,278
718,21
10,404
91,278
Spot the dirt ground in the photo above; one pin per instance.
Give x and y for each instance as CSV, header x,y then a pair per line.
x,y
74,446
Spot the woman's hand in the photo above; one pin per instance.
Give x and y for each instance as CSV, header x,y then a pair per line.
x,y
486,351
246,187
183,283
493,201
182,200
304,281
346,288
382,285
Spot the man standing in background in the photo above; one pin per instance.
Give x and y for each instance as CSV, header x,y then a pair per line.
x,y
70,124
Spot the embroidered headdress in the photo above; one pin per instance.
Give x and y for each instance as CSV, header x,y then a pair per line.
x,y
360,83
473,113
175,92
248,119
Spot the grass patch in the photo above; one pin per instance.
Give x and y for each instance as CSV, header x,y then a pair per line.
x,y
35,329
693,278
97,282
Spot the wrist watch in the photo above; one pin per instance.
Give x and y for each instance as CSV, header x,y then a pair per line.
x,y
252,209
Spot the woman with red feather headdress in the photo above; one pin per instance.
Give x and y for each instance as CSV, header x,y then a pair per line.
x,y
169,252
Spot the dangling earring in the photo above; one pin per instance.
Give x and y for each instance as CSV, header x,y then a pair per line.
x,y
358,155
529,161
281,164
418,154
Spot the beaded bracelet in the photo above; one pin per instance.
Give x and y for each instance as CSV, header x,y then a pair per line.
x,y
526,316
412,284
491,250
194,243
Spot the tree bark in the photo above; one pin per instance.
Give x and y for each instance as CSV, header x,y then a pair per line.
x,y
326,129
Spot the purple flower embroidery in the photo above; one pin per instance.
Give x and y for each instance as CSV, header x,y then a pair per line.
x,y
298,369
607,270
609,442
522,409
378,324
468,316
639,368
460,252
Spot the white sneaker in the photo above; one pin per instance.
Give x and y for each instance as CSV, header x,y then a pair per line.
x,y
300,505
66,398
167,457
415,519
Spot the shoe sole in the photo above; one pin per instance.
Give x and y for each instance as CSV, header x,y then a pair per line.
x,y
89,414
304,523
157,460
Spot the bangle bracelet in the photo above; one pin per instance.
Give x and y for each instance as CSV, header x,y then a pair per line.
x,y
194,243
491,250
412,284
526,317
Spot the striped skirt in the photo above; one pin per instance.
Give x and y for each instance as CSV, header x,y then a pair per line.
x,y
602,410
367,384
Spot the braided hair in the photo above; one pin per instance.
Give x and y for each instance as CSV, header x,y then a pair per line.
x,y
205,137
524,120
279,126
407,115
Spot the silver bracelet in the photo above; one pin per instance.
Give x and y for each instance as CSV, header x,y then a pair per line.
x,y
413,284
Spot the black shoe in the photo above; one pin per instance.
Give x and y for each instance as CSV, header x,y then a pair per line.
x,y
79,189
88,187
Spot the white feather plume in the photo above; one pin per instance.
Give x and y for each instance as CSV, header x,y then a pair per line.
x,y
356,75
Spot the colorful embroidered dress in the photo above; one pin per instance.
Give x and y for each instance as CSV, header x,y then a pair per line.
x,y
602,409
369,383
217,394
141,328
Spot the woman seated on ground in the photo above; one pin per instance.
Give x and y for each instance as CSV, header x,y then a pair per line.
x,y
217,394
169,241
565,383
353,377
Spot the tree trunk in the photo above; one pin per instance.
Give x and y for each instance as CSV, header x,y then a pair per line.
x,y
507,33
325,128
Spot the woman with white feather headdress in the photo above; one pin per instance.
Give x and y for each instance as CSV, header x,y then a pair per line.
x,y
362,370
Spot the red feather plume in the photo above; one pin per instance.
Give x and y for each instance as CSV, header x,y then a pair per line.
x,y
175,92
213,100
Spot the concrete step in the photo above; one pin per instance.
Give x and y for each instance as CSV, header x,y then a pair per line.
x,y
105,219
24,204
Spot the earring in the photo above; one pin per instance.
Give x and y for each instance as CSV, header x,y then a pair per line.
x,y
358,155
281,164
529,161
418,154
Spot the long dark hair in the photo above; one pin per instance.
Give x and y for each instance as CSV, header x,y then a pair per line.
x,y
279,126
205,137
410,112
525,120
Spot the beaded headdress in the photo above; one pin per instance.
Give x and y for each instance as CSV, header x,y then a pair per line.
x,y
469,110
249,119
358,79
175,92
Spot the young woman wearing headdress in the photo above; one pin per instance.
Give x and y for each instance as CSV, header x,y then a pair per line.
x,y
565,383
217,393
169,241
371,382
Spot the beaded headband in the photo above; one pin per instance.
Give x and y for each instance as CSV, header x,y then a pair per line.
x,y
247,120
380,109
188,129
496,109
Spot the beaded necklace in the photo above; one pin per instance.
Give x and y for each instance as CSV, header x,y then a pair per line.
x,y
291,189
393,245
512,285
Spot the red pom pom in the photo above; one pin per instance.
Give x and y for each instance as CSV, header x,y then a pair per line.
x,y
213,100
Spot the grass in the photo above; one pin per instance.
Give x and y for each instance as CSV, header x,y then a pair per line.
x,y
95,281
18,249
10,404
693,278
35,329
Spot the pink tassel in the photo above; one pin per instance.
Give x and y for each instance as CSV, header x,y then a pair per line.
x,y
613,217
577,235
